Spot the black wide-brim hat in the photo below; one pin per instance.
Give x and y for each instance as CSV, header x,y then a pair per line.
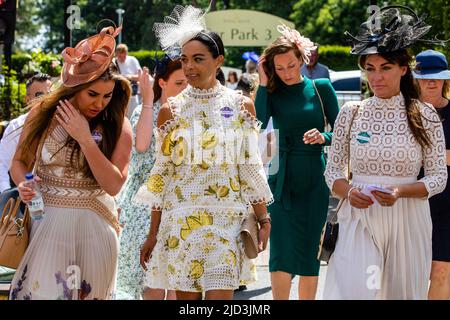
x,y
392,28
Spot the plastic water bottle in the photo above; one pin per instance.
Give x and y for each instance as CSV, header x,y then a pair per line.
x,y
36,205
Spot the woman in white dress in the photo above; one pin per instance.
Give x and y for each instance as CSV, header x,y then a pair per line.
x,y
169,81
79,141
383,249
198,189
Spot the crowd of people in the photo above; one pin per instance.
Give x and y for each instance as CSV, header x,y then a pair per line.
x,y
147,177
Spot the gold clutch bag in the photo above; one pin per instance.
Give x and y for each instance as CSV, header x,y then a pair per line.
x,y
249,235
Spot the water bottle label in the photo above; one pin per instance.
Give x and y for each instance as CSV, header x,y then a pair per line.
x,y
36,205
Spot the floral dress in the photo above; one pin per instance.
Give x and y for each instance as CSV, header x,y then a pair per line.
x,y
208,169
134,216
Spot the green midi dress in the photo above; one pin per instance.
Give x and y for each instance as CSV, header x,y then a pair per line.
x,y
299,188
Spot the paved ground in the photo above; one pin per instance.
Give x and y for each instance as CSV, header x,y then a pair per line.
x,y
261,289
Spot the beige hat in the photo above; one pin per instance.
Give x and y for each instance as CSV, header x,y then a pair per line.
x,y
90,58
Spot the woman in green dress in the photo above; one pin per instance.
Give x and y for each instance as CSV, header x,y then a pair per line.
x,y
298,107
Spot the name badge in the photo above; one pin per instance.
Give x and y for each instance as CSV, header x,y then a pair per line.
x,y
226,112
97,136
363,137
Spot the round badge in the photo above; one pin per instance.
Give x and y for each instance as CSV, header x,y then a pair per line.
x,y
363,137
97,136
226,112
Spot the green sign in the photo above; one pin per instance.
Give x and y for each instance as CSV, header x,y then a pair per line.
x,y
245,28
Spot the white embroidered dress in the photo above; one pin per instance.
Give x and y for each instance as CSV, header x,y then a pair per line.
x,y
384,252
203,191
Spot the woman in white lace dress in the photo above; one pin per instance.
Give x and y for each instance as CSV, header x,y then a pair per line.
x,y
203,177
384,244
169,81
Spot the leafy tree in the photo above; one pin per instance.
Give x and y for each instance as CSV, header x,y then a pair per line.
x,y
27,24
325,21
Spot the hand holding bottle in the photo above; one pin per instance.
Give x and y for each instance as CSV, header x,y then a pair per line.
x,y
26,189
30,194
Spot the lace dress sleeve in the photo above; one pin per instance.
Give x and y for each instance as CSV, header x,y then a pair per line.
x,y
153,191
253,180
338,156
434,156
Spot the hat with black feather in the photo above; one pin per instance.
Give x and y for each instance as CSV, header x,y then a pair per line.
x,y
161,65
390,29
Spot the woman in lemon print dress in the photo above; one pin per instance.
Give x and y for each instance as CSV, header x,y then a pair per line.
x,y
205,173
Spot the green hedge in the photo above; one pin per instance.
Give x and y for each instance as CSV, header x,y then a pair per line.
x,y
26,64
146,58
21,62
337,58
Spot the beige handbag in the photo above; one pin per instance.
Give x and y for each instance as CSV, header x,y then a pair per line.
x,y
14,234
249,234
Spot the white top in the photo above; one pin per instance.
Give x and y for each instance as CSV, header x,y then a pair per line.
x,y
8,145
131,66
383,145
319,71
198,168
231,86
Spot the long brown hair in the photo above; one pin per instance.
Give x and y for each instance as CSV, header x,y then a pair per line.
x,y
279,46
446,90
410,93
172,66
110,119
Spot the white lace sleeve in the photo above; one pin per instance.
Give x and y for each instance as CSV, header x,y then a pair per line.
x,y
434,157
153,191
338,156
254,186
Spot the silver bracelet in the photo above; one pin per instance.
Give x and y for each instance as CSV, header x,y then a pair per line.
x,y
147,106
350,190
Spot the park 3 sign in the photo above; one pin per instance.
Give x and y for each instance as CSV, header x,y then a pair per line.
x,y
245,28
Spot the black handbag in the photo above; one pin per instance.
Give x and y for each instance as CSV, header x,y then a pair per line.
x,y
134,88
330,231
328,241
329,236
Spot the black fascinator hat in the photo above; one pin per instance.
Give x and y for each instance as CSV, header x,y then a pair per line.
x,y
390,29
161,65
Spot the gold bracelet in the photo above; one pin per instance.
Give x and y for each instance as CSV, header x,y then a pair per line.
x,y
349,191
264,221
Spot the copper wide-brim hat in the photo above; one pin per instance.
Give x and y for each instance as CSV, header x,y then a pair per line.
x,y
90,58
